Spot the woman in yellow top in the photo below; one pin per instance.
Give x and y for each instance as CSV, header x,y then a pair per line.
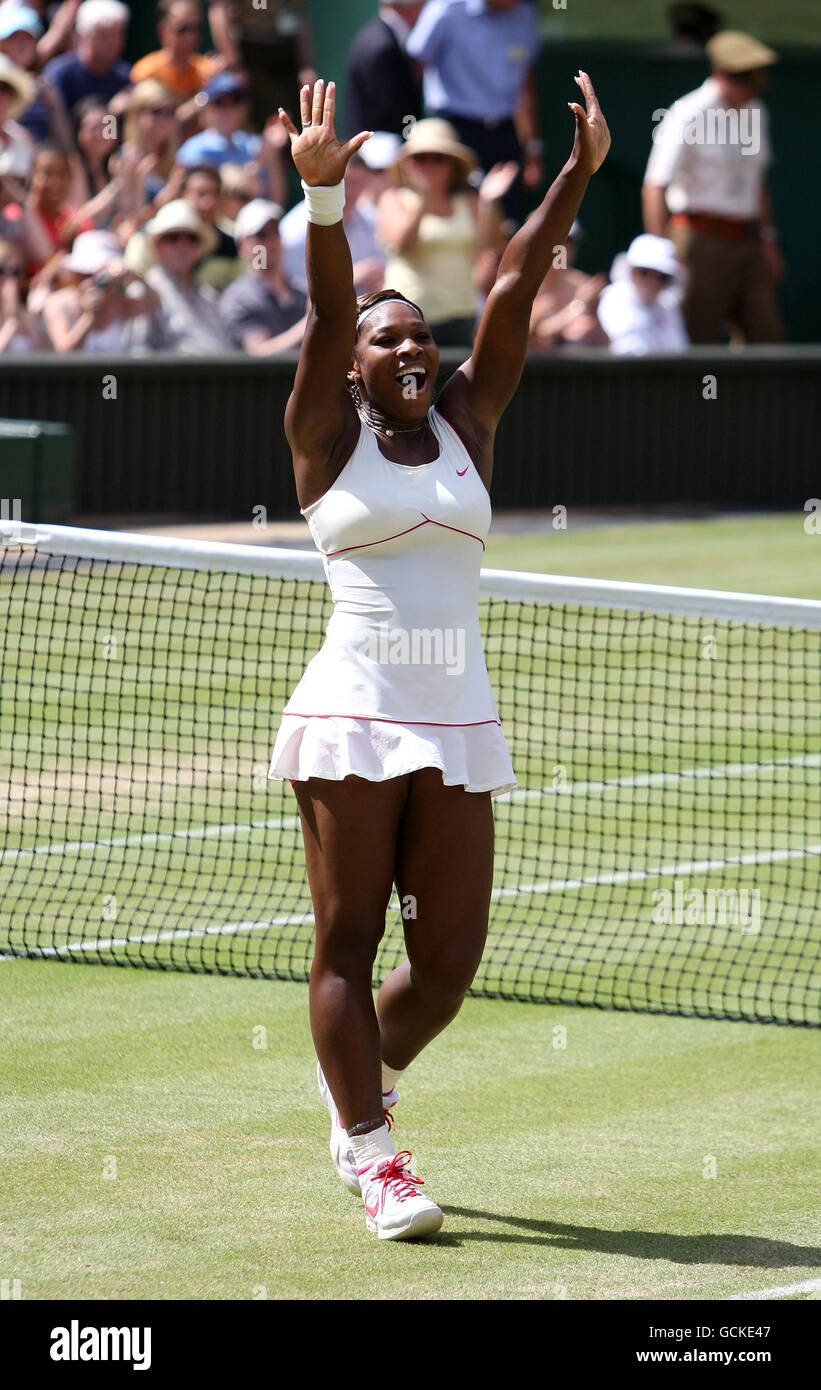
x,y
433,225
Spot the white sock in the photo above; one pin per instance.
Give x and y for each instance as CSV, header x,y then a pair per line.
x,y
390,1078
369,1148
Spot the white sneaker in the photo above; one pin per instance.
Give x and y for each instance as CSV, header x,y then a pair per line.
x,y
341,1151
394,1207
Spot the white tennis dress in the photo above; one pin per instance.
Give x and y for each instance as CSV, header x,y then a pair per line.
x,y
400,682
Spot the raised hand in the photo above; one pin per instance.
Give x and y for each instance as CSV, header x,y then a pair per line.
x,y
592,136
319,157
497,181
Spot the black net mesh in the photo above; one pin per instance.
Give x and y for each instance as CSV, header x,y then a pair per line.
x,y
661,853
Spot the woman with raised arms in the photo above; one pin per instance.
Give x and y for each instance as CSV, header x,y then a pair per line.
x,y
392,739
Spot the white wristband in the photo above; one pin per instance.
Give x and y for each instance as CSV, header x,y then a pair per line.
x,y
326,204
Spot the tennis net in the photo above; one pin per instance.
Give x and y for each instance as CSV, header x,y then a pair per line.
x,y
661,852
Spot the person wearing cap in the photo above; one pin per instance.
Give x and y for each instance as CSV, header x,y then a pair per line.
x,y
378,157
433,225
188,319
639,309
264,313
383,87
20,28
705,186
360,229
95,67
223,141
176,63
96,312
478,58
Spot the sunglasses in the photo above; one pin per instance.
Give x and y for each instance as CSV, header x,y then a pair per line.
x,y
429,158
10,270
177,238
230,99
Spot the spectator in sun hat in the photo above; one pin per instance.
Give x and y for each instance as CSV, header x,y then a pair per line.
x,y
188,320
95,67
383,87
433,225
478,58
96,311
265,314
639,310
706,187
224,141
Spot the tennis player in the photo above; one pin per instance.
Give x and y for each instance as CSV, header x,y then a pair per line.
x,y
392,739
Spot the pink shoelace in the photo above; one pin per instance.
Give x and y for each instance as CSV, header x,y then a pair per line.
x,y
399,1178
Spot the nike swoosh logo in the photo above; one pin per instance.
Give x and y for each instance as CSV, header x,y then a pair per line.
x,y
374,1209
463,472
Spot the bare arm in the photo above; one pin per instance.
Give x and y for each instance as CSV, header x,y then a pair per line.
x,y
320,413
259,344
397,221
222,31
477,393
654,207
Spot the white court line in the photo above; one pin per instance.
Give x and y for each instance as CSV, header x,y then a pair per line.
x,y
153,938
664,779
779,1291
149,838
647,779
703,866
552,886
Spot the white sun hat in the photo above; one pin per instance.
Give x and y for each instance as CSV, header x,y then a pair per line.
x,y
92,252
649,252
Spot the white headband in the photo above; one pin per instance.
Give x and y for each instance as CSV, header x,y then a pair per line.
x,y
395,299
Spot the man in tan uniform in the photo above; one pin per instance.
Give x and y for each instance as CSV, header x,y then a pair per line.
x,y
705,187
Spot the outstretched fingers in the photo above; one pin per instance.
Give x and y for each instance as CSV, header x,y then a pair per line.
x,y
288,123
319,102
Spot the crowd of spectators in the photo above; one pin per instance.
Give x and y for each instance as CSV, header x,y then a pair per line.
x,y
145,207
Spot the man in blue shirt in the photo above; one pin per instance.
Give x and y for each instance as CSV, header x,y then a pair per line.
x,y
477,57
95,67
224,141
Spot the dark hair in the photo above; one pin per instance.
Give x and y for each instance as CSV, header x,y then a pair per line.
x,y
692,21
51,147
165,7
201,169
367,301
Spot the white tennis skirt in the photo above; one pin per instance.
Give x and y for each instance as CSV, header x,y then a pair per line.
x,y
473,756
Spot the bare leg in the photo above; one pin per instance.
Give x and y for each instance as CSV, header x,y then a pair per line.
x,y
350,830
445,860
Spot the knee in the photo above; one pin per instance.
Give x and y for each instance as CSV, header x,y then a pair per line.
x,y
346,944
443,983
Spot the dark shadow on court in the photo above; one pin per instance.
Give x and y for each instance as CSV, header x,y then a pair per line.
x,y
720,1249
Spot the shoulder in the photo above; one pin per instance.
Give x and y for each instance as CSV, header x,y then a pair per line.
x,y
200,146
148,66
55,67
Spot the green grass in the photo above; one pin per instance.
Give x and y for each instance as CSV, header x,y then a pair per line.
x,y
145,712
765,554
574,1172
